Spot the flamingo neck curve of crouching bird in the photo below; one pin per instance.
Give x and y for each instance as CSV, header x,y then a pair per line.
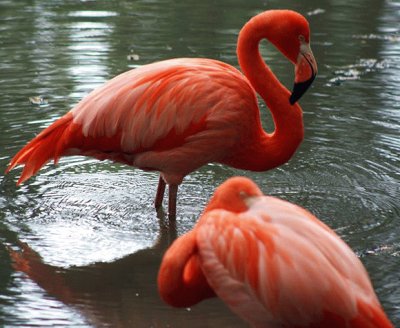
x,y
272,262
177,115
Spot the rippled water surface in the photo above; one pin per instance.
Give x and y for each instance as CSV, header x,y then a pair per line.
x,y
94,222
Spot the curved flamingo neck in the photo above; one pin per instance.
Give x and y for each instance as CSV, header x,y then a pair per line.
x,y
276,148
181,280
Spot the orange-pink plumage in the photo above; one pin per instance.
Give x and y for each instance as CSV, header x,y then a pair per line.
x,y
177,115
272,262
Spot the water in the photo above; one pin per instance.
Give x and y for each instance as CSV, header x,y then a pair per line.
x,y
93,222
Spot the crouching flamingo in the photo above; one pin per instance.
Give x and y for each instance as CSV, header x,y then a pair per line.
x,y
177,115
272,262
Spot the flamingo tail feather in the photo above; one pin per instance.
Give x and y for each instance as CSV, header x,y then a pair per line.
x,y
47,145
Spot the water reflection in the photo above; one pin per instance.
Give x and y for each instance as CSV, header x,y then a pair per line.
x,y
92,13
119,293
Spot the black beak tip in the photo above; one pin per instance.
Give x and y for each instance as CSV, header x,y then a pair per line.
x,y
293,99
299,89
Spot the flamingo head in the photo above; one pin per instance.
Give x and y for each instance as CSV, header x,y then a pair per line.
x,y
305,70
233,195
290,33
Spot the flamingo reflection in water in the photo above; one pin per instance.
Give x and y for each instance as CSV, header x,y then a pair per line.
x,y
122,293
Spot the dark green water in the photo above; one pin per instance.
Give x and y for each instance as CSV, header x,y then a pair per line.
x,y
95,222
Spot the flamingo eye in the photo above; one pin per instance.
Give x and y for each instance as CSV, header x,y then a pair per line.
x,y
243,194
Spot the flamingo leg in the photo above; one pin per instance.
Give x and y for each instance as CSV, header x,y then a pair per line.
x,y
172,194
160,193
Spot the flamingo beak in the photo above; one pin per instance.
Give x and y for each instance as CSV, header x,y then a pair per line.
x,y
305,72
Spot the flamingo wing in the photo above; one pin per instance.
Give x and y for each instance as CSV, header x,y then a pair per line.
x,y
276,265
147,103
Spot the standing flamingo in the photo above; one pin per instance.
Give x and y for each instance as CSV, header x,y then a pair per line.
x,y
177,115
274,263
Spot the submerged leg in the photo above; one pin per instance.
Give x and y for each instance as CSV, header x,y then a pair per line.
x,y
160,193
173,191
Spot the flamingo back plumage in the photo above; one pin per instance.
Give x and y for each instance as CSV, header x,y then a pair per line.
x,y
147,103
